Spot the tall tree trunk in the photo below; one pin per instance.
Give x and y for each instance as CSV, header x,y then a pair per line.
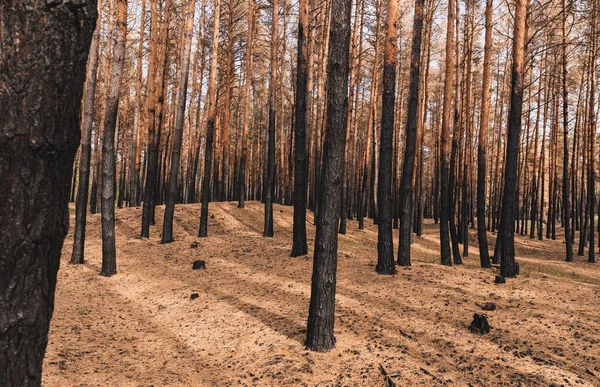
x,y
44,51
109,249
151,100
136,140
247,87
167,234
319,335
385,245
86,147
565,177
299,246
210,124
270,178
482,146
445,139
408,166
507,221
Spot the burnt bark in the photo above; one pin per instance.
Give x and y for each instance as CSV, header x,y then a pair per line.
x,y
299,245
43,55
408,166
319,335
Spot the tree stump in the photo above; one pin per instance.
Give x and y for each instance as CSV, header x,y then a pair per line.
x,y
479,324
199,264
499,280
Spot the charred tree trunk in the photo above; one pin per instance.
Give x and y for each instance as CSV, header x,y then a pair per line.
x,y
44,51
408,165
385,245
482,146
299,245
77,256
319,335
210,124
167,234
270,178
109,249
507,220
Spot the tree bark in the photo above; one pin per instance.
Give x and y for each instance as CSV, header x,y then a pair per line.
x,y
43,57
385,245
210,124
77,256
482,146
507,220
109,250
270,178
167,234
445,139
319,335
299,245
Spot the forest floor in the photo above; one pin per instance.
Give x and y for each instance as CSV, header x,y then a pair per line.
x,y
247,325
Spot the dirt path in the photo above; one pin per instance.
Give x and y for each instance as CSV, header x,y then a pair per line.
x,y
248,323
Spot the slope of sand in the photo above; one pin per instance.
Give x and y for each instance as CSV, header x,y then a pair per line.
x,y
247,326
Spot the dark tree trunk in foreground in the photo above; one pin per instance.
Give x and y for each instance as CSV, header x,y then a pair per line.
x,y
484,255
319,334
445,139
270,178
385,245
210,124
167,234
86,151
506,235
109,250
43,54
299,246
408,166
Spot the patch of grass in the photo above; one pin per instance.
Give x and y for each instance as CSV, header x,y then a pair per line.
x,y
82,310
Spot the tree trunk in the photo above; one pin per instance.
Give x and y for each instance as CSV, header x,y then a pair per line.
x,y
482,146
109,250
507,223
319,335
44,51
210,124
385,245
151,100
270,178
299,246
77,256
167,234
445,139
248,80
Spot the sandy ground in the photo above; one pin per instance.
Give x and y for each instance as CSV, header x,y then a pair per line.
x,y
247,326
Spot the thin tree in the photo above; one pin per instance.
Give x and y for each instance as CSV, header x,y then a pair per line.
x,y
506,234
565,177
445,139
136,140
270,178
484,255
299,246
109,249
321,312
43,50
86,147
210,122
167,234
408,165
385,245
247,87
151,101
